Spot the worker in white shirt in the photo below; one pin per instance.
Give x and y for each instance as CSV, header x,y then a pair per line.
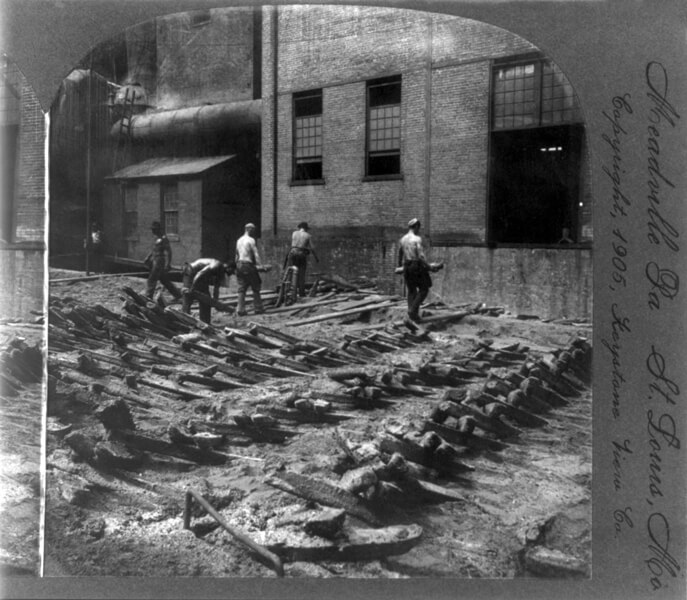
x,y
247,266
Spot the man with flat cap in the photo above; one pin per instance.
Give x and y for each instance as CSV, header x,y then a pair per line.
x,y
247,266
415,269
301,247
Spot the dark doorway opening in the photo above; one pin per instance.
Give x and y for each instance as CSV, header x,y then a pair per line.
x,y
534,184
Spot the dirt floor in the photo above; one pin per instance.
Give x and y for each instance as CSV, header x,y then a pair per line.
x,y
20,453
501,506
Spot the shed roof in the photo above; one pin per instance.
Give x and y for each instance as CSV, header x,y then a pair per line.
x,y
168,167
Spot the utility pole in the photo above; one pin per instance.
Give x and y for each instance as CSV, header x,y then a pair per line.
x,y
88,166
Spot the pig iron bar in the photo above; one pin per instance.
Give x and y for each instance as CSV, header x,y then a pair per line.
x,y
517,414
301,416
272,370
273,559
138,323
149,356
322,361
294,365
120,362
256,328
463,438
238,373
216,384
147,443
371,344
170,389
492,424
204,349
251,338
422,456
323,492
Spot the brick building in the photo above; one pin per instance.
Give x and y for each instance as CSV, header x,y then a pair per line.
x,y
373,116
185,150
22,148
357,119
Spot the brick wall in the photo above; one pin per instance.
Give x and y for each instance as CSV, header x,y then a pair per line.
x,y
445,64
206,63
21,259
460,108
29,197
445,67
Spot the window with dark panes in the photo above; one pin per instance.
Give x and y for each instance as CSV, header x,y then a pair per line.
x,y
384,127
130,195
537,140
307,136
170,208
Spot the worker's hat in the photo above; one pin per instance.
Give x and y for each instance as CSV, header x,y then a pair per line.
x,y
250,226
413,222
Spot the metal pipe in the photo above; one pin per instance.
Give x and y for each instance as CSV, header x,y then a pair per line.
x,y
233,117
261,550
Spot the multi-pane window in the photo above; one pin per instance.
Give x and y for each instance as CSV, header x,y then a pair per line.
x,y
536,148
130,193
307,136
558,103
532,93
170,208
384,127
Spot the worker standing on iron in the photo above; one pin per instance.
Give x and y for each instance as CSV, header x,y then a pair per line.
x,y
247,266
301,247
199,275
416,270
160,262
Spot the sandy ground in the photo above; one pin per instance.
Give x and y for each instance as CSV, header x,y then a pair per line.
x,y
532,495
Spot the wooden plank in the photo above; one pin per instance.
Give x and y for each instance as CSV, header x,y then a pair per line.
x,y
343,313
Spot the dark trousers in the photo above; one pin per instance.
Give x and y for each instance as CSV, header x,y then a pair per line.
x,y
159,273
204,309
298,257
247,276
418,282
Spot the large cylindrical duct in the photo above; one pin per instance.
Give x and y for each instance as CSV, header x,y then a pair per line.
x,y
232,118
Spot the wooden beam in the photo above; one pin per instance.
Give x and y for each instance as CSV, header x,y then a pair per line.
x,y
343,313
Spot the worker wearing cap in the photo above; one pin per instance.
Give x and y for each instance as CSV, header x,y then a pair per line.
x,y
247,266
159,260
199,275
415,269
301,247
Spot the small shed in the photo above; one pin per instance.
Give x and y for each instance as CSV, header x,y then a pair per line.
x,y
202,203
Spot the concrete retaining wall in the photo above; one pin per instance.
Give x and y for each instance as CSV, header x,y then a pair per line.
x,y
547,282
